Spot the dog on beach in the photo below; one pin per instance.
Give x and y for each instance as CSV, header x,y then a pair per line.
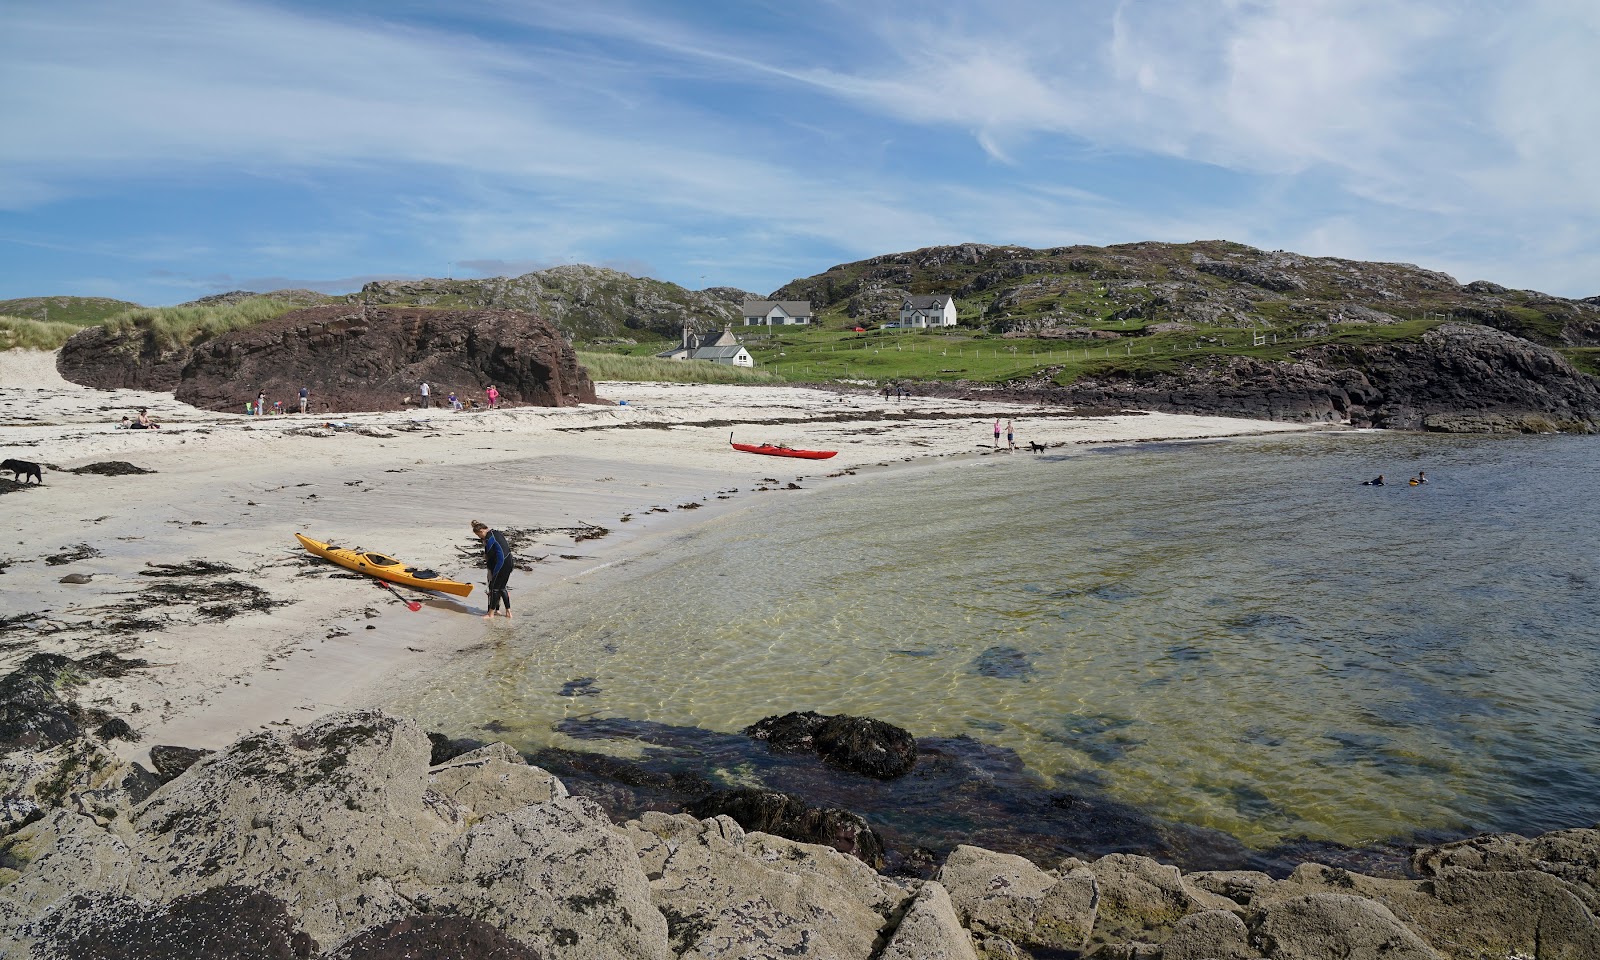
x,y
1035,446
23,469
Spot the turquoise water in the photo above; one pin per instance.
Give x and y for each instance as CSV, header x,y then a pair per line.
x,y
1233,634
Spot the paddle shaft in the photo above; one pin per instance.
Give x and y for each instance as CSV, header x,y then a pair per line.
x,y
411,605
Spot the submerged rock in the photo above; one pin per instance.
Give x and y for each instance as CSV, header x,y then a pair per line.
x,y
858,744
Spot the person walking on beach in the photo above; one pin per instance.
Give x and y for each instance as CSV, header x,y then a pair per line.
x,y
305,398
1011,440
425,401
492,395
497,557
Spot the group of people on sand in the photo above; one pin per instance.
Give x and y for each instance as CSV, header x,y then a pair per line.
x,y
491,399
1011,437
1416,481
143,422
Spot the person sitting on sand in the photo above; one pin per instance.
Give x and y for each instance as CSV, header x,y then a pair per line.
x,y
126,424
144,422
1374,482
497,557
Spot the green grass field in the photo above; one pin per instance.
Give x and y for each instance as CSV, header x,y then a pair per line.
x,y
824,352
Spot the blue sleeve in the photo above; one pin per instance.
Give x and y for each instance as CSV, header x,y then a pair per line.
x,y
495,551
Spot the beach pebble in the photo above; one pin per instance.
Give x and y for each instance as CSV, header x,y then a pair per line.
x,y
77,578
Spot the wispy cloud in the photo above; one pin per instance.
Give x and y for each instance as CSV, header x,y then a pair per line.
x,y
769,141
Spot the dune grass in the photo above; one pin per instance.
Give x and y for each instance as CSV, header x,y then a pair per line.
x,y
173,327
25,334
616,366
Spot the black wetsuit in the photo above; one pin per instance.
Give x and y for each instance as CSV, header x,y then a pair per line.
x,y
497,557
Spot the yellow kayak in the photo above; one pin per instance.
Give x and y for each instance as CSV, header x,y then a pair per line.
x,y
385,568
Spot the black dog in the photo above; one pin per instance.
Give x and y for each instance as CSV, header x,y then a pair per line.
x,y
22,468
1035,446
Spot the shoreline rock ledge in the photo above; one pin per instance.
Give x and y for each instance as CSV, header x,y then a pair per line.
x,y
339,840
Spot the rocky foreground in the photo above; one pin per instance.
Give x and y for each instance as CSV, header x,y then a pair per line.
x,y
344,838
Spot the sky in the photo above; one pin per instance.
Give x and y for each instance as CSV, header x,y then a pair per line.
x,y
164,150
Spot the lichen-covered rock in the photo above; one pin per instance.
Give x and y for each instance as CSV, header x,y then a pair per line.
x,y
1209,935
726,893
930,930
79,774
494,779
325,816
557,876
1239,886
1571,855
1325,926
1138,895
58,856
1006,895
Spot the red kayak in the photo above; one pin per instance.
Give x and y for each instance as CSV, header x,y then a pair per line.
x,y
772,451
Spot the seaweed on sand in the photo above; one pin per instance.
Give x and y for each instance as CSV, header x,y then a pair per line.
x,y
218,600
192,568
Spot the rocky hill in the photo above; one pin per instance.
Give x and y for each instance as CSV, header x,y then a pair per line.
x,y
351,358
1206,284
586,303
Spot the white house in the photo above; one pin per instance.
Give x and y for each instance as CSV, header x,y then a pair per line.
x,y
776,313
920,313
736,355
721,347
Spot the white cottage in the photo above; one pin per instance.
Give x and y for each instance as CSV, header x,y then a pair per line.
x,y
776,313
920,313
721,347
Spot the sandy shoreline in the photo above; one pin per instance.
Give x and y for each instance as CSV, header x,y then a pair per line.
x,y
226,660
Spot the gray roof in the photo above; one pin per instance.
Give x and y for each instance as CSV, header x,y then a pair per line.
x,y
718,353
935,301
794,308
719,338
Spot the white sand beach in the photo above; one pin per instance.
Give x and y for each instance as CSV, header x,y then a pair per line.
x,y
230,489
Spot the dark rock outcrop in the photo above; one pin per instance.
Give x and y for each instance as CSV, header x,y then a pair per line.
x,y
96,357
35,709
1459,378
858,744
790,817
375,359
170,761
351,358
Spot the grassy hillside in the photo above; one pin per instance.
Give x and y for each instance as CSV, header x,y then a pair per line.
x,y
168,328
28,334
78,311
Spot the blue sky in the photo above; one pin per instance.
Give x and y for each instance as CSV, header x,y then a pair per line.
x,y
167,149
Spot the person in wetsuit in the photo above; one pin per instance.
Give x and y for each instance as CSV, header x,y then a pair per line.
x,y
497,557
1374,482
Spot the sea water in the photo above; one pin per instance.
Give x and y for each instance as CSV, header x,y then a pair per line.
x,y
1233,634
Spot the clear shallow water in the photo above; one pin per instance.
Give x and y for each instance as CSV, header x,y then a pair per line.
x,y
1233,635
